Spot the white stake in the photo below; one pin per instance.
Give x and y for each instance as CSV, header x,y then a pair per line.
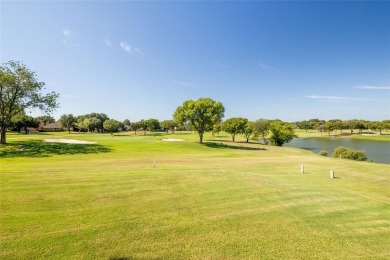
x,y
154,163
302,169
332,174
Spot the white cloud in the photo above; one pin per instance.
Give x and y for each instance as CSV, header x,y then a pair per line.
x,y
69,38
67,33
130,49
108,42
374,87
338,98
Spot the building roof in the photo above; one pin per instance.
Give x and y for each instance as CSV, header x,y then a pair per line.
x,y
52,125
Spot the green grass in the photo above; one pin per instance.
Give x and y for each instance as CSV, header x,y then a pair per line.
x,y
370,136
220,200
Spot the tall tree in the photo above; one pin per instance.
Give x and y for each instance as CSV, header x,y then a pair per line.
x,y
248,130
135,126
99,124
152,124
24,121
201,114
127,124
67,121
304,125
361,125
217,128
169,125
261,127
112,125
386,125
95,124
92,122
20,90
234,126
142,125
46,119
281,132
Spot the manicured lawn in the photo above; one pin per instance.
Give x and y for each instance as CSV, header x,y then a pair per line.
x,y
220,200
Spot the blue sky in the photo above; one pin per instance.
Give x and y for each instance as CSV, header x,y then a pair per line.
x,y
292,60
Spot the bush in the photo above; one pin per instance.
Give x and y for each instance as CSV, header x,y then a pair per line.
x,y
323,153
349,153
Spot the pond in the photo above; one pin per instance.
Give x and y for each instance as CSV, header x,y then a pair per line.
x,y
375,150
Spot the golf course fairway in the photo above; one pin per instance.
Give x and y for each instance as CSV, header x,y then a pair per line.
x,y
138,197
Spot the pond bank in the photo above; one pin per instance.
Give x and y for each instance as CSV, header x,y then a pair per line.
x,y
377,151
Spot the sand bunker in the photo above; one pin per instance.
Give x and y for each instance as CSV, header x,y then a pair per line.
x,y
172,140
68,141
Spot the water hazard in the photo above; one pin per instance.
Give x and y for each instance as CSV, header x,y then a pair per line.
x,y
376,151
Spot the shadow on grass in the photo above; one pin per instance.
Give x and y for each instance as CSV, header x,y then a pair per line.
x,y
308,148
226,146
37,148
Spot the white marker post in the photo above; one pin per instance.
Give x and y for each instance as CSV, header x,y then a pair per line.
x,y
154,163
302,169
332,174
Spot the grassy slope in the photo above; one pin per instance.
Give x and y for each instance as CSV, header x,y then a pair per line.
x,y
204,202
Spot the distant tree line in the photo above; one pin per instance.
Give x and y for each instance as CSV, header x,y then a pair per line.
x,y
339,125
20,91
275,132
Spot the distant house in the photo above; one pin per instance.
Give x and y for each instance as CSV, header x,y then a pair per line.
x,y
52,127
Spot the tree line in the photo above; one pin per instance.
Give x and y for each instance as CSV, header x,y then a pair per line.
x,y
340,125
20,90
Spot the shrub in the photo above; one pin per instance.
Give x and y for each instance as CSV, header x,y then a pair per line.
x,y
349,153
323,153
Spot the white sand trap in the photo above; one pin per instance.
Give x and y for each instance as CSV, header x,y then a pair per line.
x,y
370,134
172,140
68,141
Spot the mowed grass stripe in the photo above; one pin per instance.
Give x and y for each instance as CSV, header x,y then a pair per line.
x,y
197,203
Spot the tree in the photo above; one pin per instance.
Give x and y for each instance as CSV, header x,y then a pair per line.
x,y
152,124
217,128
67,121
379,126
337,124
321,128
112,125
46,119
142,125
127,124
201,114
92,123
248,130
169,125
23,121
281,132
350,124
95,121
20,90
234,126
329,127
304,125
261,127
361,125
135,126
386,124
